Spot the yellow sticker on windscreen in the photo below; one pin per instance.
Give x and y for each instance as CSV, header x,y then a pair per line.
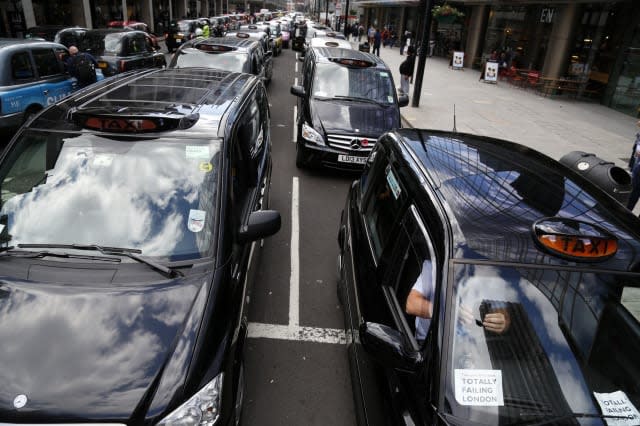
x,y
206,166
384,74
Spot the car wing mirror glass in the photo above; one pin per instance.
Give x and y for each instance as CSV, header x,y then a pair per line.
x,y
389,347
403,100
261,224
297,91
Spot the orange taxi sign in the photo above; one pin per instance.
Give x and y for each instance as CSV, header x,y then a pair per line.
x,y
575,240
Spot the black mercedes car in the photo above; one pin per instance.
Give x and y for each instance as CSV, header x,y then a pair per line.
x,y
180,32
120,50
130,227
484,283
346,101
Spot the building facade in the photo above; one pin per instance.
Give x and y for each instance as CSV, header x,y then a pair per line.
x,y
594,42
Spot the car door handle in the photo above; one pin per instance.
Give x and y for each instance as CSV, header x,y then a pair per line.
x,y
45,91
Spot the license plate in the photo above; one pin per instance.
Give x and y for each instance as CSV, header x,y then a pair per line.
x,y
352,159
102,65
178,40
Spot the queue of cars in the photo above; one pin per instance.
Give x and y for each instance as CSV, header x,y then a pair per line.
x,y
442,234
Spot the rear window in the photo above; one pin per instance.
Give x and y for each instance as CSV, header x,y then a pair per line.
x,y
157,195
101,44
228,61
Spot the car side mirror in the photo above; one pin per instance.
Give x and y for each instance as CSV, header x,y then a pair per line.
x,y
297,91
389,347
268,54
403,100
261,224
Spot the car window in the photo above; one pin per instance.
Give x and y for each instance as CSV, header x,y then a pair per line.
x,y
555,348
157,195
383,204
21,66
136,44
46,62
229,61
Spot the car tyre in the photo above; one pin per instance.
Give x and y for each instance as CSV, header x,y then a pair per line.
x,y
239,397
301,160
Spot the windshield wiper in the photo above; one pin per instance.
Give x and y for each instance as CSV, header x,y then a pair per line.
x,y
560,418
117,251
25,254
355,99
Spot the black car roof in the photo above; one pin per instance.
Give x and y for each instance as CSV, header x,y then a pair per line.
x,y
18,42
105,31
237,42
325,53
202,95
497,189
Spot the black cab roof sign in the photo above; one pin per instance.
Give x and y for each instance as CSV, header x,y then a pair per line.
x,y
119,124
574,240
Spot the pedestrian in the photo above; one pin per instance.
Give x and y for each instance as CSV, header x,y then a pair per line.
x,y
635,173
206,30
406,70
385,36
360,32
371,33
405,40
82,66
377,40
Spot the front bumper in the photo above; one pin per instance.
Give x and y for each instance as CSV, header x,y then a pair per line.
x,y
332,158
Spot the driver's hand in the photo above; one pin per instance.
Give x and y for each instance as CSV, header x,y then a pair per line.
x,y
495,322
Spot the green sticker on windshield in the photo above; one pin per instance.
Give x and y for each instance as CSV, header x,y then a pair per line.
x,y
384,74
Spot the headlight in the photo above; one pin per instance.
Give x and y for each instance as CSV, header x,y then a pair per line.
x,y
310,134
201,409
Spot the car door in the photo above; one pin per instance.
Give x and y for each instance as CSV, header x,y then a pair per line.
x,y
373,221
26,90
55,83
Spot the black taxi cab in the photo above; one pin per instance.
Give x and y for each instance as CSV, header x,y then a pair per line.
x,y
484,283
347,99
120,50
130,227
238,52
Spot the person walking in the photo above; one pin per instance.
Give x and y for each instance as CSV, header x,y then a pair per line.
x,y
377,40
360,32
370,34
82,66
406,70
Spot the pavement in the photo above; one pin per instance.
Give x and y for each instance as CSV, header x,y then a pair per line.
x,y
554,126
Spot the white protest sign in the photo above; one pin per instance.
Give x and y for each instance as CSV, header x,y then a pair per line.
x,y
479,387
491,71
458,60
618,404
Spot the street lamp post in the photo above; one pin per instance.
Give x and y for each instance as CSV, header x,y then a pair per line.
x,y
422,58
346,20
326,15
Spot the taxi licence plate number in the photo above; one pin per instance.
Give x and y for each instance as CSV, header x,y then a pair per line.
x,y
178,40
352,159
102,65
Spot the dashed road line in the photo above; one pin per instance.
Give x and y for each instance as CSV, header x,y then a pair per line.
x,y
297,333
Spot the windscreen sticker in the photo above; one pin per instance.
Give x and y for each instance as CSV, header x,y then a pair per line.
x,y
390,99
617,404
196,220
479,387
393,183
384,74
205,166
197,151
102,160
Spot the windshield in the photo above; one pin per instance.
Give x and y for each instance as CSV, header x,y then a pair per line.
x,y
156,195
229,61
332,80
554,356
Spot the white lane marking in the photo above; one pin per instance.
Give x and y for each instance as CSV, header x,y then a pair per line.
x,y
295,126
295,81
300,334
294,281
296,67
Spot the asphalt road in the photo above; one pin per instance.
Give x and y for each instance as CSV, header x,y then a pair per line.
x,y
297,370
296,365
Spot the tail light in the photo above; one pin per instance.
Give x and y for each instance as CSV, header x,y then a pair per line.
x,y
122,65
